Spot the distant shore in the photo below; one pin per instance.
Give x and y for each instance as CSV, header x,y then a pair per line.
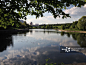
x,y
71,31
23,30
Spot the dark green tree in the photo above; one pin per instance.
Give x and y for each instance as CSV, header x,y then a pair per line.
x,y
62,27
76,27
67,26
82,23
75,23
72,26
44,27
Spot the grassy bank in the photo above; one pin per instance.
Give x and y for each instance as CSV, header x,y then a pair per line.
x,y
75,31
72,30
59,27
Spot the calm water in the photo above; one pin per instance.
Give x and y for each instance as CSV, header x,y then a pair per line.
x,y
35,46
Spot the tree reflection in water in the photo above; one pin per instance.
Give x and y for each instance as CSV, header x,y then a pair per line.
x,y
5,40
80,37
81,40
62,33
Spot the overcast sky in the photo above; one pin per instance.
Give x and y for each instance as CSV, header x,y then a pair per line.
x,y
75,12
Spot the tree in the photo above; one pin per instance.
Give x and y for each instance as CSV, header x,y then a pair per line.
x,y
62,27
76,27
72,26
68,26
44,27
82,23
75,22
33,7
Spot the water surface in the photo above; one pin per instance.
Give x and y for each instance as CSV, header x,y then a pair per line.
x,y
35,46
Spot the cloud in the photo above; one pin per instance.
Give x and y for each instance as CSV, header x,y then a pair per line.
x,y
49,17
76,11
43,20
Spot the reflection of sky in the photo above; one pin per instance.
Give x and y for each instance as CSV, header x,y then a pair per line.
x,y
37,45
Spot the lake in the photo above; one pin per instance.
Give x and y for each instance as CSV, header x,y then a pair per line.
x,y
37,45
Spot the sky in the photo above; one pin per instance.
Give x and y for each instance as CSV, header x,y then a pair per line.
x,y
75,13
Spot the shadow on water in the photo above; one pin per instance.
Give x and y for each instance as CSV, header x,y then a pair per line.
x,y
5,41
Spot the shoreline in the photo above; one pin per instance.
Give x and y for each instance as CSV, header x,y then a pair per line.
x,y
23,30
71,31
13,31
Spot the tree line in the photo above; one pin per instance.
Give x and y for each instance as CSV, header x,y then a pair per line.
x,y
77,25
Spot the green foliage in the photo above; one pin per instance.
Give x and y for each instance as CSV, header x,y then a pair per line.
x,y
22,25
62,27
76,27
59,27
8,15
52,63
71,27
75,23
67,26
48,26
82,23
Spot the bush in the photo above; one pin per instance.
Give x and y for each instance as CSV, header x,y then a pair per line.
x,y
62,27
